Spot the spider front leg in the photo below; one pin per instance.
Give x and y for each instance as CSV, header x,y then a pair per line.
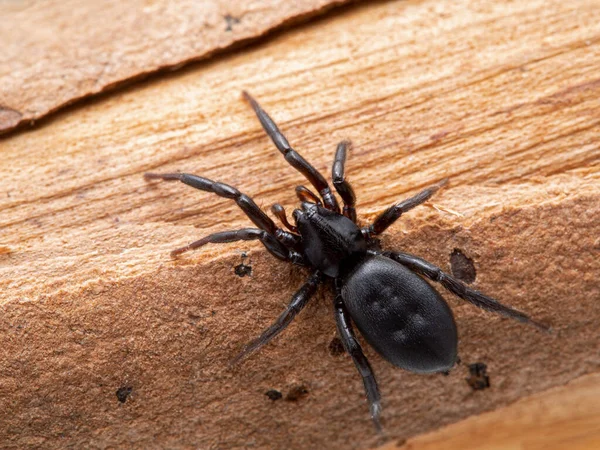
x,y
292,156
351,345
275,247
393,213
458,288
254,213
252,210
298,302
339,182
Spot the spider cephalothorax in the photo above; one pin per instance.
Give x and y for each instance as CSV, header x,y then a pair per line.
x,y
383,292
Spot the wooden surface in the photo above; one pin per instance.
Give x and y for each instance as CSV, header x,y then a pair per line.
x,y
567,417
57,52
500,97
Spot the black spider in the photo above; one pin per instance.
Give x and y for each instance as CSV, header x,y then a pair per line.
x,y
382,292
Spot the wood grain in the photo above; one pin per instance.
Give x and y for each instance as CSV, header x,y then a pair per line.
x,y
57,52
501,97
567,417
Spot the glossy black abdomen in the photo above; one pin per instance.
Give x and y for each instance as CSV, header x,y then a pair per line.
x,y
401,316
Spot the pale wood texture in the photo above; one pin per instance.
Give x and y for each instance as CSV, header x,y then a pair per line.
x,y
567,417
501,97
56,52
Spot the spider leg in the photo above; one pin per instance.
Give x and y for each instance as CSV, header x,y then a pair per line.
x,y
458,288
275,247
298,302
339,182
254,213
292,156
352,346
390,215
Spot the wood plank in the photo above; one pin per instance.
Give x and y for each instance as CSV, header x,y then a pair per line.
x,y
563,417
502,98
57,52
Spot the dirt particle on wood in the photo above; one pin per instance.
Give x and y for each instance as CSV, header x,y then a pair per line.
x,y
243,269
230,21
462,266
274,394
123,393
336,348
478,378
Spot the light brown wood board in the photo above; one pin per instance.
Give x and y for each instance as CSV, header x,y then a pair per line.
x,y
502,98
566,417
57,52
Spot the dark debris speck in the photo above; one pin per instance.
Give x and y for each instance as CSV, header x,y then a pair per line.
x,y
462,266
123,392
243,269
336,348
478,378
230,21
273,394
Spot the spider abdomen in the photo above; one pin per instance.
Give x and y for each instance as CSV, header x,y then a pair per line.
x,y
401,316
